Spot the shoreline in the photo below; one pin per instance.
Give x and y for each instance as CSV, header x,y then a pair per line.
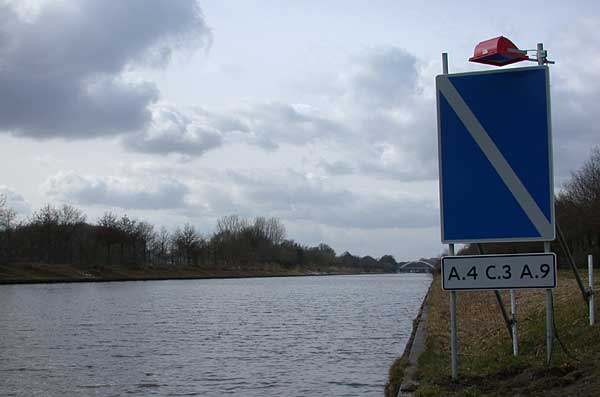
x,y
140,278
402,379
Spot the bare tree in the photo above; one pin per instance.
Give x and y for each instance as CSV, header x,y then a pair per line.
x,y
230,225
584,187
7,214
47,215
275,231
144,231
127,226
70,219
190,240
45,223
3,207
7,218
108,220
160,245
270,229
70,216
108,232
185,241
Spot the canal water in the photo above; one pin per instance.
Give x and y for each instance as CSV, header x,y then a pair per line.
x,y
291,336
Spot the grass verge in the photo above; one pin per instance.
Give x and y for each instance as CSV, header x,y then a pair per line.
x,y
486,363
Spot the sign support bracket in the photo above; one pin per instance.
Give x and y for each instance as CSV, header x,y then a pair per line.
x,y
515,333
567,251
541,58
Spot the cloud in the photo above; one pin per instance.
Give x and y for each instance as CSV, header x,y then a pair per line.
x,y
575,88
15,201
151,192
274,123
389,114
195,131
308,197
380,118
379,211
403,243
63,71
337,167
288,190
381,77
172,131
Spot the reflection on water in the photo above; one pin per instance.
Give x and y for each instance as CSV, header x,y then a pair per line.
x,y
296,336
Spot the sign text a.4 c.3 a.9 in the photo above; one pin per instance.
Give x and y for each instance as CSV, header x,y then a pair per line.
x,y
499,271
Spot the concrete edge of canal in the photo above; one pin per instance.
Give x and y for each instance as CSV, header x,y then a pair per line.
x,y
413,350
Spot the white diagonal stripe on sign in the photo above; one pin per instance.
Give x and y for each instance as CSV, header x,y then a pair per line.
x,y
495,157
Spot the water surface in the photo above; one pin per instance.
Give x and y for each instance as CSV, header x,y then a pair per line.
x,y
296,336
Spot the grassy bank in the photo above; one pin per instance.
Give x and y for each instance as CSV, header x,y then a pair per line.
x,y
44,273
395,376
486,363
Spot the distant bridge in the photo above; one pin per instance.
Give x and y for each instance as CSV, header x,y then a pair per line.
x,y
416,267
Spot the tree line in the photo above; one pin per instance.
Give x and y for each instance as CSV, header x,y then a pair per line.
x,y
577,211
62,235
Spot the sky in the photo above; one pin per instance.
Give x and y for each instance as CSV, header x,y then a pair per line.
x,y
320,113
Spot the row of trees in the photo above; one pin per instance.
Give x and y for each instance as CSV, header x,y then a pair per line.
x,y
63,235
577,209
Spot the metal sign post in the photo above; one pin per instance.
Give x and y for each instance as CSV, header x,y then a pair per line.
x,y
541,58
591,305
453,330
549,316
453,333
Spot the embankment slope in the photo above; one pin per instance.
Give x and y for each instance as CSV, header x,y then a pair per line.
x,y
486,363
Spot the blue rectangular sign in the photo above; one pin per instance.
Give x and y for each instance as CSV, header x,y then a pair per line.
x,y
495,156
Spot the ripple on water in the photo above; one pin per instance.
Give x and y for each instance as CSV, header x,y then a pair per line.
x,y
317,336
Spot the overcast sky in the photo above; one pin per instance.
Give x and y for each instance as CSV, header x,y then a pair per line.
x,y
321,113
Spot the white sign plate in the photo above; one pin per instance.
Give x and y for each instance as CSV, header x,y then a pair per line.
x,y
485,272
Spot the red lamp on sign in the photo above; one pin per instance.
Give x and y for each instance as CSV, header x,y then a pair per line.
x,y
498,51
